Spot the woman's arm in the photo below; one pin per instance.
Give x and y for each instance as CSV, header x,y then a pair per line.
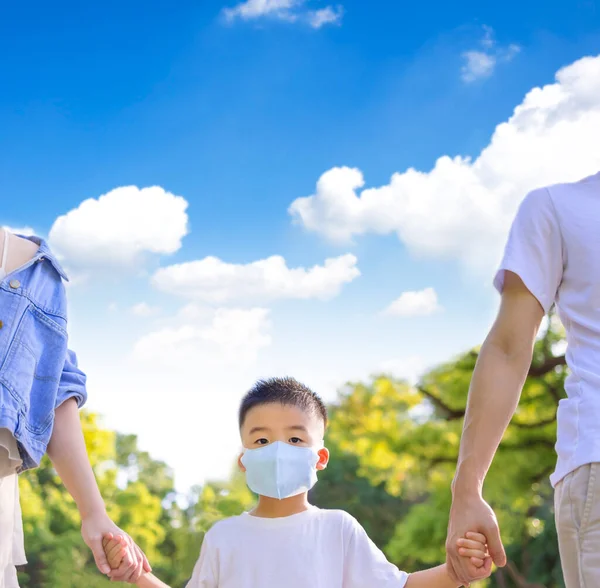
x,y
68,454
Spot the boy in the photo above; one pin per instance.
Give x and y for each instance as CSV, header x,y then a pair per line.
x,y
285,542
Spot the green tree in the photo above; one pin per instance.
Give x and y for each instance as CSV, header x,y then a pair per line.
x,y
407,438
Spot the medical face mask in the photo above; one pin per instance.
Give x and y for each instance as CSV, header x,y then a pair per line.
x,y
280,470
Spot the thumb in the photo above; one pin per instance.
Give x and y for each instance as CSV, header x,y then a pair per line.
x,y
495,546
100,556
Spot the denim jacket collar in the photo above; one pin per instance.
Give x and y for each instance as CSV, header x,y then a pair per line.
x,y
44,252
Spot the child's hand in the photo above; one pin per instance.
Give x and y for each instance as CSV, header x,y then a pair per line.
x,y
115,549
474,547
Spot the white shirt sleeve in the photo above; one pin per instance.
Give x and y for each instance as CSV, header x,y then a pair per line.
x,y
206,573
534,249
365,565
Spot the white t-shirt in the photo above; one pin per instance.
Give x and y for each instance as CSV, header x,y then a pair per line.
x,y
554,247
313,549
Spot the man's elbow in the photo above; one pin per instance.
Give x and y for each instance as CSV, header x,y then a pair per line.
x,y
511,345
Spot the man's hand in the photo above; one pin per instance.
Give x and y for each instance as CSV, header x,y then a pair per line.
x,y
93,529
470,513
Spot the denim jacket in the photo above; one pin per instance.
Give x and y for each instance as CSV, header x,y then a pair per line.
x,y
37,370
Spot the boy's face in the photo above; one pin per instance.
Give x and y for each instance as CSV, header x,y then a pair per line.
x,y
268,423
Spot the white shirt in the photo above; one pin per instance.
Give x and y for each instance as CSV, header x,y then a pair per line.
x,y
554,247
316,548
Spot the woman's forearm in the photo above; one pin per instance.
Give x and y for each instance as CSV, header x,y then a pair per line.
x,y
68,454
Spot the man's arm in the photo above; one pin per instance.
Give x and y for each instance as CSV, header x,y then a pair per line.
x,y
496,386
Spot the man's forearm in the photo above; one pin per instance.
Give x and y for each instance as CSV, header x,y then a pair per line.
x,y
496,385
68,454
432,578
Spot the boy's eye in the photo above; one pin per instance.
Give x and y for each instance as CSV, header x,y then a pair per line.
x,y
295,440
262,441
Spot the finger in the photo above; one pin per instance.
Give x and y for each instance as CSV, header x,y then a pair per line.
x,y
468,544
472,553
461,567
139,569
453,572
485,570
145,563
115,554
477,561
107,539
495,546
124,569
99,555
476,537
450,569
134,574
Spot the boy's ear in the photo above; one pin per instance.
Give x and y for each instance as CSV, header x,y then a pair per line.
x,y
240,464
323,458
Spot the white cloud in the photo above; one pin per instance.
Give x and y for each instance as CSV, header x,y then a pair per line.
x,y
417,303
143,309
215,281
478,64
252,9
481,63
231,336
463,207
285,10
324,16
118,228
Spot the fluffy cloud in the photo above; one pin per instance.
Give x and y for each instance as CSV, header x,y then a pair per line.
x,y
285,10
462,208
215,281
119,227
480,63
226,336
418,303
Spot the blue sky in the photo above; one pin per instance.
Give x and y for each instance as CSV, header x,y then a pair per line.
x,y
240,116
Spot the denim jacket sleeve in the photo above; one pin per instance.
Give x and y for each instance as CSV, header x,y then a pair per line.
x,y
72,382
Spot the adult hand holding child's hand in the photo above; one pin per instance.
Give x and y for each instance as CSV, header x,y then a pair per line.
x,y
470,512
134,563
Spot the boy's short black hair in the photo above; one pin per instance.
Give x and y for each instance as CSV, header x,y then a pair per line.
x,y
286,391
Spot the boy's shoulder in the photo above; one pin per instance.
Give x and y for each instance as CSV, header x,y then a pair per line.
x,y
337,516
237,525
227,526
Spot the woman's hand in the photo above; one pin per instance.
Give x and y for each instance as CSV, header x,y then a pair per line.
x,y
93,528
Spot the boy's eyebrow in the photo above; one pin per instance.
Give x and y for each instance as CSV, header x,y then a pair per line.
x,y
258,430
291,428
